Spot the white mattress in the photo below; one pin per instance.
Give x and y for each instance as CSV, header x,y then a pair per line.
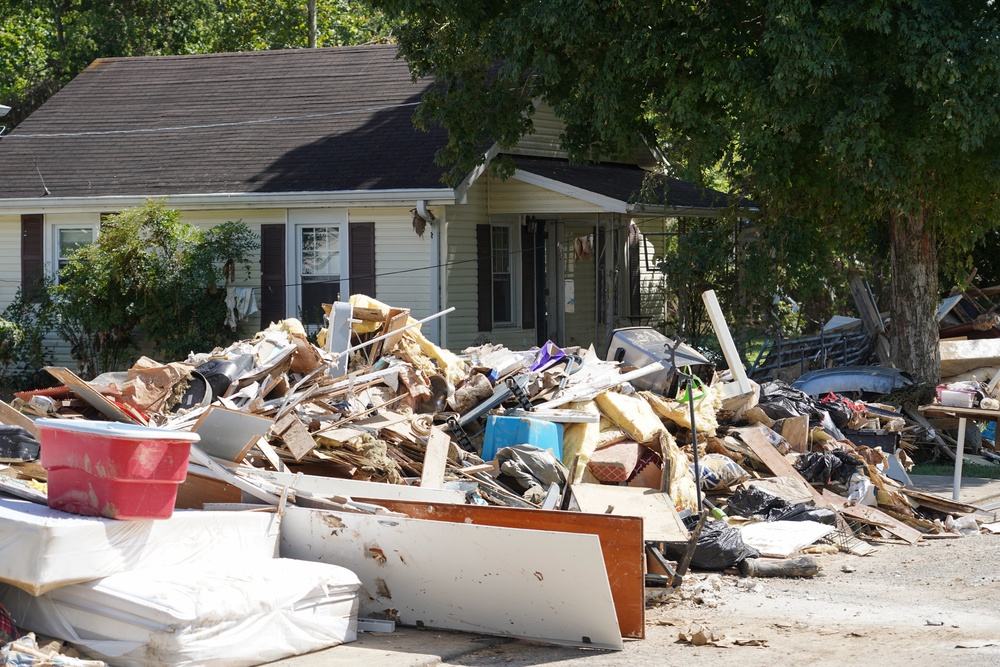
x,y
42,549
224,615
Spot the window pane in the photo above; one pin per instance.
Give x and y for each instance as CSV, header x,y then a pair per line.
x,y
503,308
71,239
501,300
320,251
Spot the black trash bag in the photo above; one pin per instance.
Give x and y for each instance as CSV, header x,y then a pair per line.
x,y
719,547
17,443
839,413
805,512
824,467
754,503
779,401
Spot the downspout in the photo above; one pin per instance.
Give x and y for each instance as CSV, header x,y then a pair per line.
x,y
435,273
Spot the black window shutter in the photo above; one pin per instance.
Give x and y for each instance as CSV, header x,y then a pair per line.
x,y
362,243
527,277
272,274
635,302
484,276
32,253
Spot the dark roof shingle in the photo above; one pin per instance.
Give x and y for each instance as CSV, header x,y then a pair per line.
x,y
268,121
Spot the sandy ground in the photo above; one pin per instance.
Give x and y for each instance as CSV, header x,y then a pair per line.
x,y
937,603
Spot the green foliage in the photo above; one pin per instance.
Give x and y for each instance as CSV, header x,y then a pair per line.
x,y
23,325
149,272
835,119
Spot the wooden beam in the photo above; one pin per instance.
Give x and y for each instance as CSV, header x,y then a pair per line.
x,y
435,459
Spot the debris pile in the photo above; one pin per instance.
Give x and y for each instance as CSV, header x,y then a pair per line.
x,y
648,451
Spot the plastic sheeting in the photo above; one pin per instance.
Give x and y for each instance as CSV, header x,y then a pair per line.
x,y
42,549
223,615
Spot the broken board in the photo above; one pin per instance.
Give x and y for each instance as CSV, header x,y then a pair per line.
x,y
225,433
621,544
295,435
660,522
775,462
435,459
93,397
538,585
872,516
13,417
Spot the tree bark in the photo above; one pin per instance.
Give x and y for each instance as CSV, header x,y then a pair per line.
x,y
913,330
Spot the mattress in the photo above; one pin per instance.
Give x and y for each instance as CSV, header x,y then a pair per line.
x,y
222,615
42,549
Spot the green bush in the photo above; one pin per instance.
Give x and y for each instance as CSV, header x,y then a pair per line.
x,y
23,326
149,273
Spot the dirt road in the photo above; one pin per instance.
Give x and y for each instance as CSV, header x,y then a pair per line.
x,y
902,605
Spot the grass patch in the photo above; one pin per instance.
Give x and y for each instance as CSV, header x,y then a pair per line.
x,y
948,470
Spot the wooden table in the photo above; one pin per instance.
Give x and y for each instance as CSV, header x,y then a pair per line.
x,y
963,414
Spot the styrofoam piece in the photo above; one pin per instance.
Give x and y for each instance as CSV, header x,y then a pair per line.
x,y
780,539
222,615
544,586
42,548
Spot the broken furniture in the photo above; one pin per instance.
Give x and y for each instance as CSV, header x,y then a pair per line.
x,y
963,415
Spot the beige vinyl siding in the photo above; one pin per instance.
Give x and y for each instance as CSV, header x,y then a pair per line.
x,y
461,326
653,286
10,258
402,259
545,140
513,196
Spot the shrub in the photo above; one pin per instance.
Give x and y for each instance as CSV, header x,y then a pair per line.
x,y
149,272
23,326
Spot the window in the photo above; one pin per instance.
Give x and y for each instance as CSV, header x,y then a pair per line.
x,y
503,278
320,270
66,240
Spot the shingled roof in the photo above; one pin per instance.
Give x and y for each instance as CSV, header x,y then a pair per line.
x,y
624,183
306,120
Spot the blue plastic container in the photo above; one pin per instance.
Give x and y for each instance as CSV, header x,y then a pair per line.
x,y
507,431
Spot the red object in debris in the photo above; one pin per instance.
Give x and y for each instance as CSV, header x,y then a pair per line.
x,y
119,471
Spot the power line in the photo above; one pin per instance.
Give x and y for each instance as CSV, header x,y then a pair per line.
x,y
258,121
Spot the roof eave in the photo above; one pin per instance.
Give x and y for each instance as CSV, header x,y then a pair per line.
x,y
225,200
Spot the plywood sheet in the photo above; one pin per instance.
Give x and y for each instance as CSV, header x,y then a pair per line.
x,y
660,522
538,585
90,395
225,433
621,544
295,435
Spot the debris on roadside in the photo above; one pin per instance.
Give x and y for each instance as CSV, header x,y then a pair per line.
x,y
377,450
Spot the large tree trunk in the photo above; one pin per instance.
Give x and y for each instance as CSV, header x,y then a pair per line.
x,y
914,330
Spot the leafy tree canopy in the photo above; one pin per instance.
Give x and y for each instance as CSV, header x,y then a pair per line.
x,y
832,116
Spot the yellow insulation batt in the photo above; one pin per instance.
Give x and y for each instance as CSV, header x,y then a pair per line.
x,y
631,414
682,488
705,409
580,439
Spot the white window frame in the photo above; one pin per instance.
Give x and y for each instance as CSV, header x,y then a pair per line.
x,y
56,223
514,229
296,220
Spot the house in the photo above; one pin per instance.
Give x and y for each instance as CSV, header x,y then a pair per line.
x,y
315,149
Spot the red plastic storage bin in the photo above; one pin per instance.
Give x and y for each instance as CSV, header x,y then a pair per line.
x,y
120,471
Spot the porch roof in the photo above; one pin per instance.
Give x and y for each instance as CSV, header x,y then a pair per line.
x,y
619,187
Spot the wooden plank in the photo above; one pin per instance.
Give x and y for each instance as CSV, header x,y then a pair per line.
x,y
660,520
13,417
295,435
91,395
775,462
398,317
435,459
538,585
621,544
366,314
795,431
355,488
225,433
873,516
272,456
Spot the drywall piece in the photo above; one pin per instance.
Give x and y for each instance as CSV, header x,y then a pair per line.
x,y
90,395
780,539
326,487
435,459
621,544
726,340
210,614
13,417
960,356
544,586
225,433
42,548
660,522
